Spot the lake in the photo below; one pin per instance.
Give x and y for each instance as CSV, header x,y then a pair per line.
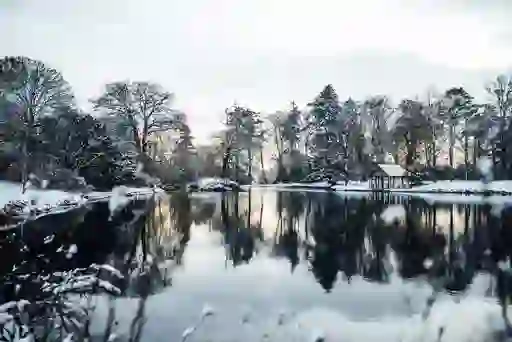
x,y
275,265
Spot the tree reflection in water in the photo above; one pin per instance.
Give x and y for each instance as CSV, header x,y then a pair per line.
x,y
336,238
342,237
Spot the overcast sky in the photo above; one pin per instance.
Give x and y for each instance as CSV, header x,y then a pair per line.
x,y
263,53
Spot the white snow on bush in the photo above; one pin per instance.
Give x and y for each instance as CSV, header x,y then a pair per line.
x,y
73,249
210,184
108,268
11,192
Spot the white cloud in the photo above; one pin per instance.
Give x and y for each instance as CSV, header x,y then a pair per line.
x,y
260,52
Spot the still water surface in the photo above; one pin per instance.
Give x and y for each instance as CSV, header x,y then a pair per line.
x,y
260,257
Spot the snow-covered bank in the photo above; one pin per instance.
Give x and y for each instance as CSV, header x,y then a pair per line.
x,y
352,186
456,198
459,186
314,185
339,186
37,202
462,192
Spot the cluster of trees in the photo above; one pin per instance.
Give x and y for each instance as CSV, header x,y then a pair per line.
x,y
442,136
346,237
45,135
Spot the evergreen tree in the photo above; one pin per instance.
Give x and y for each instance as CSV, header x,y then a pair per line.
x,y
78,142
35,90
325,134
184,154
457,104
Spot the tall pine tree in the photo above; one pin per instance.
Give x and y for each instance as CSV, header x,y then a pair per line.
x,y
325,130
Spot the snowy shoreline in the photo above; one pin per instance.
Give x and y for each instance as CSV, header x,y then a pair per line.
x,y
35,203
497,193
439,187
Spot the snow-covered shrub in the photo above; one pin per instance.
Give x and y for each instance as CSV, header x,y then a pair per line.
x,y
58,305
217,184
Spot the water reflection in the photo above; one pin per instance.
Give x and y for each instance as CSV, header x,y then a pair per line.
x,y
175,245
342,237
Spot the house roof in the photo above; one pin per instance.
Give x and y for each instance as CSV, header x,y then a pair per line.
x,y
393,170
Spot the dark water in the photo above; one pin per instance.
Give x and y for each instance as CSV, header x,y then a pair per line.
x,y
263,253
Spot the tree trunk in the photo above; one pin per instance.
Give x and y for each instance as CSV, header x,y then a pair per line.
x,y
279,147
24,168
494,157
136,138
434,152
450,147
466,155
145,135
237,154
410,148
263,174
225,162
475,150
249,210
249,151
503,147
428,154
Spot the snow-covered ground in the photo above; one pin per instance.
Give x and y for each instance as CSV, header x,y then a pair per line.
x,y
461,186
340,186
441,191
352,186
463,192
41,202
313,185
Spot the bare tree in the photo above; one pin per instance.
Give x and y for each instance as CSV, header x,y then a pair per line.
x,y
36,90
377,111
501,92
277,121
411,129
144,106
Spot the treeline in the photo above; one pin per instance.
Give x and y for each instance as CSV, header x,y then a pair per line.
x,y
47,140
133,130
440,137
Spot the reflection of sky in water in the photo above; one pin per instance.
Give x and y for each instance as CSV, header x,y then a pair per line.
x,y
263,287
266,285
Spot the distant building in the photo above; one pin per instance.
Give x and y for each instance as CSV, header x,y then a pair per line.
x,y
388,176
